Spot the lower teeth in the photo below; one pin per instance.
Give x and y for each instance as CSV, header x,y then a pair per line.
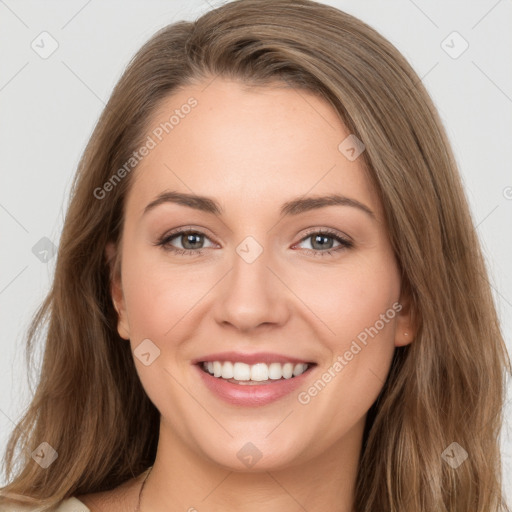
x,y
249,382
253,382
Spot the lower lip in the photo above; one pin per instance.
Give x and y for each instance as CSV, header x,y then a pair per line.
x,y
252,395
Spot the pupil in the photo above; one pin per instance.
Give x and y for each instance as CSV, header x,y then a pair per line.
x,y
321,237
190,239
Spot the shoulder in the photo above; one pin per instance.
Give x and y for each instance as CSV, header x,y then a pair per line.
x,y
73,505
122,498
69,505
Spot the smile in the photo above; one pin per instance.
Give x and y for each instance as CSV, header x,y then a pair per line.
x,y
242,373
253,385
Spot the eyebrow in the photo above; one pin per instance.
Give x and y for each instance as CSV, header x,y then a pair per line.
x,y
290,208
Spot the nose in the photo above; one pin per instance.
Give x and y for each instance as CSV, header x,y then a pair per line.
x,y
253,294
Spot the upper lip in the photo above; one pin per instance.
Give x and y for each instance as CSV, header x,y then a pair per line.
x,y
256,357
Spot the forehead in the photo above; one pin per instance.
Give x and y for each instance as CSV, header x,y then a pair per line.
x,y
248,146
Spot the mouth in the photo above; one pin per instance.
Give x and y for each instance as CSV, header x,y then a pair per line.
x,y
243,374
253,383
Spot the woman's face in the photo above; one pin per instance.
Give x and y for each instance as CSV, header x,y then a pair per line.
x,y
270,273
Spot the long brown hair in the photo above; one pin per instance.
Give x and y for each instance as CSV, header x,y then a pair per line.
x,y
446,386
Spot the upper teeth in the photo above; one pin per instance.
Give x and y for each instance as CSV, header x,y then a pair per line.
x,y
257,372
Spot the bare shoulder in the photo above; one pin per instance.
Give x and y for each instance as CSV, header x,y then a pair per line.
x,y
120,499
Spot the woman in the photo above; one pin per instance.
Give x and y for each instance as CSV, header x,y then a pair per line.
x,y
269,292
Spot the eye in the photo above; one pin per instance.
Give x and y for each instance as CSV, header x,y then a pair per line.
x,y
323,241
190,240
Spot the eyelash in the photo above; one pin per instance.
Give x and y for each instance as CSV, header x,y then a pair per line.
x,y
164,242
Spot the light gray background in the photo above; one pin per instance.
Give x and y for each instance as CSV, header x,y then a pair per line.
x,y
48,108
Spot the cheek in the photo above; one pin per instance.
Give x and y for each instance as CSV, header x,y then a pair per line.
x,y
356,311
361,311
157,294
350,298
341,300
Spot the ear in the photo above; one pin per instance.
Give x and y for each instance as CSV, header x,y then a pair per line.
x,y
405,328
116,290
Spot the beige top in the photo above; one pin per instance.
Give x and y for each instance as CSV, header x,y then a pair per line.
x,y
69,505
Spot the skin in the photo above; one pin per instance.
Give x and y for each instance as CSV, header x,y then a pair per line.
x,y
253,149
